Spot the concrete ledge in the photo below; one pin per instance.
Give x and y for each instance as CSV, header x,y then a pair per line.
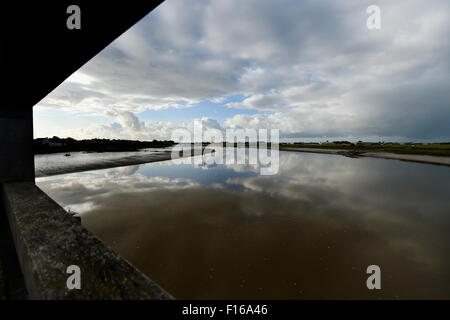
x,y
48,240
2,282
16,147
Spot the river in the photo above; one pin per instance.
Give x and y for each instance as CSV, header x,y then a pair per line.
x,y
308,232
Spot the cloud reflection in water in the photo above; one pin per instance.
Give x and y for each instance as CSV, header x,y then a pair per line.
x,y
308,232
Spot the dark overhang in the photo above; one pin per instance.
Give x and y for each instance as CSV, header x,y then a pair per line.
x,y
38,51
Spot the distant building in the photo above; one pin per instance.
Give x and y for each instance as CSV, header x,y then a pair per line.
x,y
53,142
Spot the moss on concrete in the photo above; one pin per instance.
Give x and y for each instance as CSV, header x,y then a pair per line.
x,y
48,240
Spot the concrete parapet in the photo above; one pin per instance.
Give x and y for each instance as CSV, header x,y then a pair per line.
x,y
16,144
48,241
2,282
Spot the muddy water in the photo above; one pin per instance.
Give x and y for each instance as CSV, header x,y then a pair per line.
x,y
308,232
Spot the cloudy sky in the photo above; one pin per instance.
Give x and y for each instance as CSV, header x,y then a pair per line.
x,y
309,68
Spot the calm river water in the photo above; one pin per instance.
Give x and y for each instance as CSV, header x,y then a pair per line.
x,y
308,232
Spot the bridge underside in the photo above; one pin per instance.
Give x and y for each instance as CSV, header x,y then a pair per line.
x,y
38,52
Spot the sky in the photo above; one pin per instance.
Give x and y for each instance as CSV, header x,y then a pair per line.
x,y
311,69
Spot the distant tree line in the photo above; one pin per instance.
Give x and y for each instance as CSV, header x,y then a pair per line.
x,y
56,144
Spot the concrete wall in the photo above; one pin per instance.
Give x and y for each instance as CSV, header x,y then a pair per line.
x,y
11,273
16,147
37,53
2,282
48,240
16,164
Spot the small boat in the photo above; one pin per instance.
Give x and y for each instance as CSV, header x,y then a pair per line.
x,y
67,155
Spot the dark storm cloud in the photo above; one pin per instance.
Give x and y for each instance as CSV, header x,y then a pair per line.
x,y
311,68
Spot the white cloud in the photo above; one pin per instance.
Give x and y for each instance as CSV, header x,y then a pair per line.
x,y
308,67
218,100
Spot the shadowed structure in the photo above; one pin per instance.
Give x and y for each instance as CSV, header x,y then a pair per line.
x,y
37,53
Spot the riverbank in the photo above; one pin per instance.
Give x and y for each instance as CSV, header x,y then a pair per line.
x,y
434,149
68,145
356,153
59,163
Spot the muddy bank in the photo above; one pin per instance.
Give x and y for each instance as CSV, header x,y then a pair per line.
x,y
410,157
439,160
62,163
58,163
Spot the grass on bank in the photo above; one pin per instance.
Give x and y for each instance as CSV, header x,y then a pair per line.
x,y
425,149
